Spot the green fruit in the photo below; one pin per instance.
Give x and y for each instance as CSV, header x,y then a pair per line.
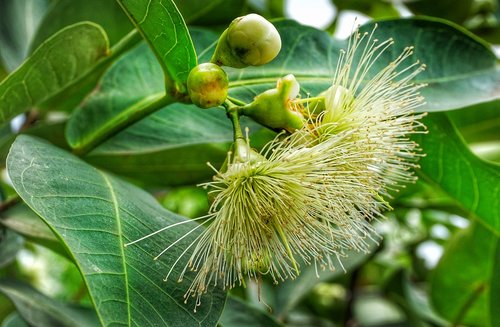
x,y
207,85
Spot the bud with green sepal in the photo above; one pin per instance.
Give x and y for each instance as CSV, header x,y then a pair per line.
x,y
249,40
276,108
207,85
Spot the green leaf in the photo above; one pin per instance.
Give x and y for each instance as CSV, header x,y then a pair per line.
x,y
107,14
94,214
10,244
373,8
239,313
478,123
163,27
215,12
461,69
14,320
55,66
40,310
464,285
449,163
26,223
19,20
457,11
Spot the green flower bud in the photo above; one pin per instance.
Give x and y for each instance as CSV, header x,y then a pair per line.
x,y
207,85
249,40
276,108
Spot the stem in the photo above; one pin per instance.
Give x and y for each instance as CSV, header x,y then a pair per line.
x,y
232,112
236,101
124,119
125,43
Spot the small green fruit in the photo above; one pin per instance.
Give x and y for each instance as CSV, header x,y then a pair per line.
x,y
207,85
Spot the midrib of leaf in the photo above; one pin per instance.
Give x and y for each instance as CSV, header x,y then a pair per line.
x,y
116,208
275,75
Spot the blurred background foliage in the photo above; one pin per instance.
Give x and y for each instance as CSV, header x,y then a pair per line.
x,y
435,266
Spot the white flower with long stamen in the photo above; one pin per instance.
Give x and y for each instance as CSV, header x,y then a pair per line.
x,y
381,107
309,196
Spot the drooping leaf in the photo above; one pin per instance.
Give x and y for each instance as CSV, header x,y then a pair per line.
x,y
164,29
464,287
19,20
107,14
239,313
95,214
10,244
40,310
54,67
449,163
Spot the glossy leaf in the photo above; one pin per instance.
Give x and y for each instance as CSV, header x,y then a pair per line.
x,y
107,14
239,313
164,29
10,244
449,163
55,66
464,287
95,214
40,310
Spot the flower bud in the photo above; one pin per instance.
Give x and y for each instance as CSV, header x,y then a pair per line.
x,y
275,108
249,40
207,85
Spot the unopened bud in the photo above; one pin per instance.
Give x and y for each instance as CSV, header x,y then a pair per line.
x,y
249,40
207,85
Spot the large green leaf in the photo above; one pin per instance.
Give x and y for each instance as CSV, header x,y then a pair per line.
x,y
54,67
19,20
95,214
461,69
42,311
107,14
239,313
464,286
450,164
164,29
